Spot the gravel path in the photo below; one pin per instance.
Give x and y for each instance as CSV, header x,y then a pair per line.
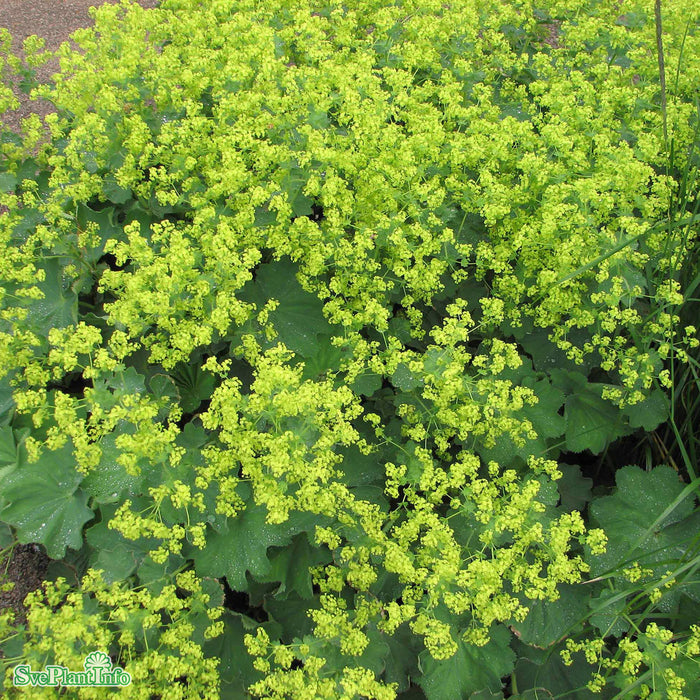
x,y
54,20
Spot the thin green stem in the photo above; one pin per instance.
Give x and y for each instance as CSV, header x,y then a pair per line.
x,y
662,71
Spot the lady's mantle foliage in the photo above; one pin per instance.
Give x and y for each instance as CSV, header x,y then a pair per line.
x,y
311,297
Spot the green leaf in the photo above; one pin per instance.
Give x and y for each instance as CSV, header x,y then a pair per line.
x,y
401,328
544,414
109,481
116,556
244,546
549,621
198,616
575,490
607,613
293,184
544,672
114,192
318,119
107,228
126,382
236,665
650,413
413,693
371,494
360,469
111,388
548,493
58,308
506,453
44,503
299,318
12,647
193,436
404,379
292,614
145,218
546,356
194,385
163,387
156,576
6,536
373,657
72,567
648,519
327,358
591,422
533,694
6,401
470,670
8,182
27,224
290,566
402,659
486,694
366,384
264,217
9,457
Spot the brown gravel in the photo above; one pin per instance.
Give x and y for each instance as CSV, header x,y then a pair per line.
x,y
25,569
552,38
55,21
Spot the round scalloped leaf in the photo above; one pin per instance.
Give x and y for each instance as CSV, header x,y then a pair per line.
x,y
111,552
591,422
8,182
291,566
9,456
650,413
109,482
404,379
292,614
299,318
193,384
646,520
542,673
236,666
549,621
486,694
574,489
607,613
59,306
470,670
544,414
243,547
44,503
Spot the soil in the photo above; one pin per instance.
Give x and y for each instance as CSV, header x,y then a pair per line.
x,y
26,569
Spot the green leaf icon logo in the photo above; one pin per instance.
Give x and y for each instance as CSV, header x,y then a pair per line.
x,y
97,659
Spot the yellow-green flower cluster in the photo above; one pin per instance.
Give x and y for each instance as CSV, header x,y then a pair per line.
x,y
308,682
551,197
64,625
656,663
438,184
434,569
283,435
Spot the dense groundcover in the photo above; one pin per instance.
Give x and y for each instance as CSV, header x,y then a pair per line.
x,y
346,351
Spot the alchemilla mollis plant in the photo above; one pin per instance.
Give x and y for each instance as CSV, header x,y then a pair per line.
x,y
336,340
